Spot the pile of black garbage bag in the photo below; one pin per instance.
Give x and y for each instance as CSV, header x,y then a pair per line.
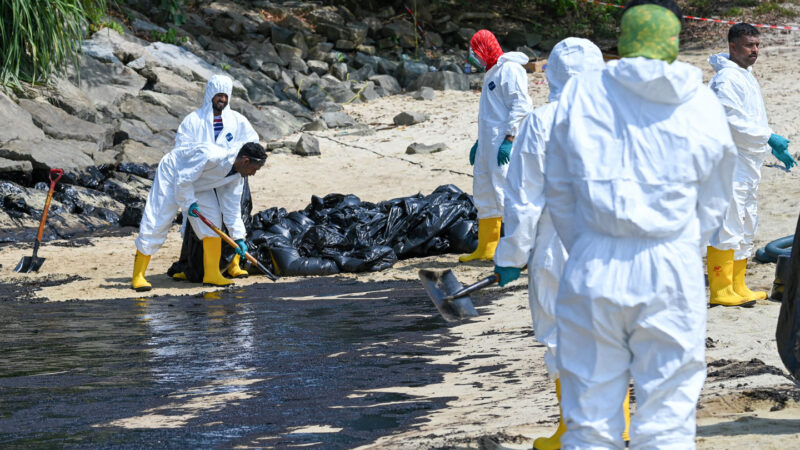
x,y
787,333
340,233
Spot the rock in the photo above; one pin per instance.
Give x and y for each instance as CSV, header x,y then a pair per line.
x,y
175,58
317,99
196,25
292,22
297,64
424,93
132,215
362,74
138,131
81,200
337,119
258,85
402,31
386,67
332,31
145,27
388,83
318,67
134,152
475,81
529,52
280,35
339,70
45,154
357,32
298,41
314,125
409,118
358,130
106,84
366,91
442,81
345,45
366,49
409,71
257,54
176,105
307,146
167,82
156,117
269,122
218,44
341,92
287,52
15,170
362,59
56,123
421,149
272,70
320,50
98,50
68,97
295,109
140,170
127,188
17,123
464,35
449,66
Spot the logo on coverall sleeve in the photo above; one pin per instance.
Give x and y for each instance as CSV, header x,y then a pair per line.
x,y
229,137
492,85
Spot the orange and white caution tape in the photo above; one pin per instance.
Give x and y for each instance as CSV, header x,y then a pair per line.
x,y
704,19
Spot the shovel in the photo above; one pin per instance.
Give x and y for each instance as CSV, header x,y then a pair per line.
x,y
33,263
450,297
233,244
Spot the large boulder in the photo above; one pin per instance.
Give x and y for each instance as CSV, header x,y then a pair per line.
x,y
441,81
168,82
56,123
107,83
401,31
156,117
308,145
174,57
17,123
127,188
176,105
337,119
71,99
45,154
138,131
138,153
388,83
270,123
409,71
410,118
257,54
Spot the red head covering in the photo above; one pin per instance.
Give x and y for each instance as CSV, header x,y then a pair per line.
x,y
485,45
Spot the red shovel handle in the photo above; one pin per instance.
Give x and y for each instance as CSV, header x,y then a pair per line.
x,y
57,173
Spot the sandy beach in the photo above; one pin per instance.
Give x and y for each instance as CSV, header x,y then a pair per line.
x,y
500,391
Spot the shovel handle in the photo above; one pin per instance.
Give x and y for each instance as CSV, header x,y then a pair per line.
x,y
57,173
233,244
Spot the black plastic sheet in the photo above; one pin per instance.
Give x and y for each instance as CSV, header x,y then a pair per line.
x,y
340,233
787,333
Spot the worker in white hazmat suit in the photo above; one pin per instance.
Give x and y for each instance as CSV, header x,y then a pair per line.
x,y
504,103
638,176
530,237
205,177
740,94
215,122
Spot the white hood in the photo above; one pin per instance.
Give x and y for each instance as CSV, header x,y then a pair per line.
x,y
517,57
217,84
723,61
657,81
570,57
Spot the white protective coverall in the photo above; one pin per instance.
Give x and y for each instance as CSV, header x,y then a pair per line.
x,y
529,233
198,126
639,172
504,103
190,174
740,94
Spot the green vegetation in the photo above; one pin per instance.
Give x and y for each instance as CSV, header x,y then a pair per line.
x,y
37,37
774,8
170,37
173,11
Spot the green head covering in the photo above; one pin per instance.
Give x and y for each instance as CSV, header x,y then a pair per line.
x,y
650,31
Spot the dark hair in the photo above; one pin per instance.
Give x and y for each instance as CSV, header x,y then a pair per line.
x,y
253,151
669,4
742,29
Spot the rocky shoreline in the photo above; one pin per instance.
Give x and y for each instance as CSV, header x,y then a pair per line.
x,y
108,122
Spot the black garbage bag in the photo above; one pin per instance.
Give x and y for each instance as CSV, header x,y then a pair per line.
x,y
190,261
340,233
787,333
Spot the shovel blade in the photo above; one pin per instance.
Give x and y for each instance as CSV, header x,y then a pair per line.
x,y
442,283
29,264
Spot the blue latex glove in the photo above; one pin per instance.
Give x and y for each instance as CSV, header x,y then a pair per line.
x,y
192,208
242,247
472,153
504,152
507,274
780,150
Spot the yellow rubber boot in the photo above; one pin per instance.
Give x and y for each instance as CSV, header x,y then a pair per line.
x,y
553,442
720,279
179,276
626,409
234,270
488,236
138,283
740,287
212,250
